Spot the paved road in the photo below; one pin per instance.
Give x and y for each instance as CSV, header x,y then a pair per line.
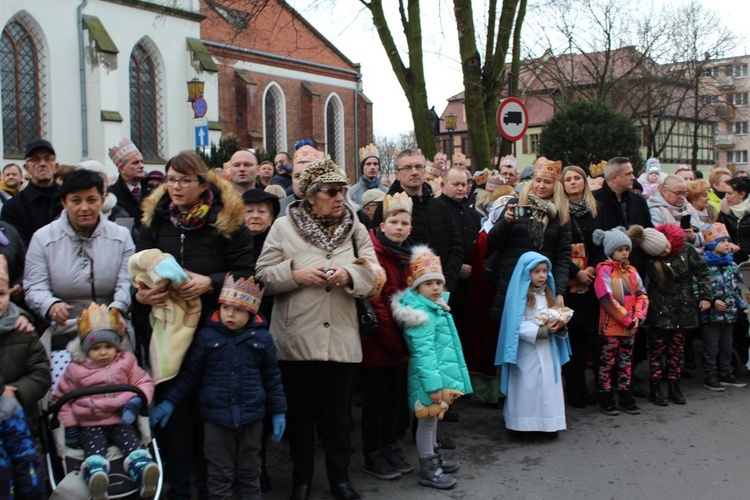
x,y
699,450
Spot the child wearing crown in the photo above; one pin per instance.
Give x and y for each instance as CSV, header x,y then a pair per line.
x,y
437,371
99,358
233,360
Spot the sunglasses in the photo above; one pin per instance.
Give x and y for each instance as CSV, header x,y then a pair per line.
x,y
333,192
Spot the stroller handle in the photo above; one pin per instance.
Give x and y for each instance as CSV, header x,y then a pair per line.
x,y
91,391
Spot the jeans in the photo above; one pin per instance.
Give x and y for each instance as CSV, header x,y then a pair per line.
x,y
717,340
233,455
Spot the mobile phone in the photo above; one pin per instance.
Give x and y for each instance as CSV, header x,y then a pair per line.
x,y
522,211
685,222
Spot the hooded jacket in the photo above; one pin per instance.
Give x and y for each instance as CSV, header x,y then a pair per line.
x,y
663,213
100,409
223,245
437,359
64,265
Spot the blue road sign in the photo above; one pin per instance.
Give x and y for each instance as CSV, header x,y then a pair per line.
x,y
201,136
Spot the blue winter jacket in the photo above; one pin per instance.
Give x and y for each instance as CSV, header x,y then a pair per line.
x,y
237,371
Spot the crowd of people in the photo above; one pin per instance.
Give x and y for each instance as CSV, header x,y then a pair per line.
x,y
233,300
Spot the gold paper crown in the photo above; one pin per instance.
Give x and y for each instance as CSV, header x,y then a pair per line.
x,y
243,294
368,151
99,317
459,158
4,269
397,202
435,185
715,231
424,266
122,150
481,177
430,168
547,168
308,154
509,160
597,170
379,279
493,182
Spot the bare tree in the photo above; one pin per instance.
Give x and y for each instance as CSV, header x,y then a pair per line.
x,y
390,146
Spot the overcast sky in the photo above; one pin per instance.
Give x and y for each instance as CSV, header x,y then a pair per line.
x,y
348,25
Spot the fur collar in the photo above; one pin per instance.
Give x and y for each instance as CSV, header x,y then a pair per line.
x,y
406,315
231,210
76,354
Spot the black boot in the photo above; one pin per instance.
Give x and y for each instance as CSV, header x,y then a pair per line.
x,y
573,393
627,402
675,394
655,396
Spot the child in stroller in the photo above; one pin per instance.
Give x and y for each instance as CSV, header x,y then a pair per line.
x,y
98,359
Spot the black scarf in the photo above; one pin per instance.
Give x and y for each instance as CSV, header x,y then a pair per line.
x,y
402,252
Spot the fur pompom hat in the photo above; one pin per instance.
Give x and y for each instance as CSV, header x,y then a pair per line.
x,y
611,240
653,242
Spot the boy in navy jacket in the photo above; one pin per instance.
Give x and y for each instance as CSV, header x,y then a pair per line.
x,y
233,359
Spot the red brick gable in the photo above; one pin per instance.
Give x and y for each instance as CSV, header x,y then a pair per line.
x,y
277,29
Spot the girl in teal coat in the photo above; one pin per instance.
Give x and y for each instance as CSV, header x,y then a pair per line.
x,y
437,361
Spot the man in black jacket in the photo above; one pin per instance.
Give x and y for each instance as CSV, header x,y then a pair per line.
x,y
38,203
621,207
131,186
432,223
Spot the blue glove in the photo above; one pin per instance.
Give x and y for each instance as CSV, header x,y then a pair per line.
x,y
279,424
130,411
71,437
160,414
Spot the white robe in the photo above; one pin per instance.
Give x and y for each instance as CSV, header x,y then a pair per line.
x,y
535,394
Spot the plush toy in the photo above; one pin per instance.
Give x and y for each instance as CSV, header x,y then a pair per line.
x,y
437,410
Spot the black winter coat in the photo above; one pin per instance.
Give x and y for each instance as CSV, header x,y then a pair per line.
x,y
237,372
432,225
222,245
127,200
467,221
739,231
32,208
612,215
513,240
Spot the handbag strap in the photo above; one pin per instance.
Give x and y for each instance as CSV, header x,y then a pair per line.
x,y
354,246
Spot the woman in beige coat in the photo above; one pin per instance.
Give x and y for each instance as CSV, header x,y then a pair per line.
x,y
308,262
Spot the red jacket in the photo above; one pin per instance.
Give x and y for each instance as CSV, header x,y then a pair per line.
x,y
386,347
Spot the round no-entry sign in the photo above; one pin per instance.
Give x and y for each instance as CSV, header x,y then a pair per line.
x,y
512,118
200,107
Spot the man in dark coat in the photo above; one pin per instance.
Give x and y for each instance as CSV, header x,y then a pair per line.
x,y
619,206
467,220
432,223
38,203
131,186
283,177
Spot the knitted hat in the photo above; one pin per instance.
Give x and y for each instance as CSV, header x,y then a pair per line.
x,y
118,153
243,294
546,168
319,173
611,240
653,242
91,164
653,166
155,174
372,196
424,266
99,324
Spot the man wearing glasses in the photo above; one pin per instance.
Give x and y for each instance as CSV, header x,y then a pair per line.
x,y
38,203
669,206
432,222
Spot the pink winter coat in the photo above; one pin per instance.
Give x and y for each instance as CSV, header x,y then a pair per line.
x,y
101,409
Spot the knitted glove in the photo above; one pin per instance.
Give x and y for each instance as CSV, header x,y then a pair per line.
x,y
130,411
279,424
71,437
160,414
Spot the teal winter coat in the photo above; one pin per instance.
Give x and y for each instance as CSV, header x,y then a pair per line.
x,y
437,360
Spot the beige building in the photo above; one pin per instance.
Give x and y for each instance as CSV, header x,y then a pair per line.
x,y
727,85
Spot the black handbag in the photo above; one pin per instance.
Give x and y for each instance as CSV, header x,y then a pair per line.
x,y
368,321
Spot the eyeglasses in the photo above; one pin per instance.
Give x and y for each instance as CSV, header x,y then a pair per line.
x,y
34,160
678,193
183,183
418,166
334,192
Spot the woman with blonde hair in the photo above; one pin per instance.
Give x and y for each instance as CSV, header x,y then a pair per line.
x,y
580,296
697,196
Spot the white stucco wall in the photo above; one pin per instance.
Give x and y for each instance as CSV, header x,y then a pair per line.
x,y
108,85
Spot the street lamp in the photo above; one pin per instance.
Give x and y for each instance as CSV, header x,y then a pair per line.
x,y
195,89
450,124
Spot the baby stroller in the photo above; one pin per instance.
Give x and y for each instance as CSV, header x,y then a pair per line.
x,y
64,463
